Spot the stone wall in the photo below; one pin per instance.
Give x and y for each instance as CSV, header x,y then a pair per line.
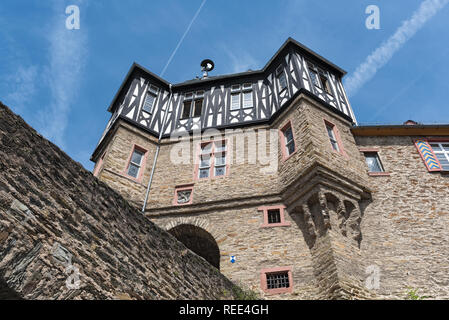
x,y
227,207
406,227
238,233
66,235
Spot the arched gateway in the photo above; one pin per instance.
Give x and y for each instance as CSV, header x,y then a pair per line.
x,y
199,241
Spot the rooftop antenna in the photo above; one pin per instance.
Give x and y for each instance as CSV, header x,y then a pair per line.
x,y
206,66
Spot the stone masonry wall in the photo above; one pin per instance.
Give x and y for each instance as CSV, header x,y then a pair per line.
x,y
238,233
406,227
66,235
343,223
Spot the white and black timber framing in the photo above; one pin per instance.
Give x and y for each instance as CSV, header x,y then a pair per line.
x,y
292,58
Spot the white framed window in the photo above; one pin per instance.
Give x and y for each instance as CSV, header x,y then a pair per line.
x,y
289,141
319,77
441,150
135,163
150,99
248,101
212,161
235,88
282,78
373,161
242,96
332,138
193,105
235,101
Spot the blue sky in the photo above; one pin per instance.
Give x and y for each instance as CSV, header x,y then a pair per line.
x,y
62,81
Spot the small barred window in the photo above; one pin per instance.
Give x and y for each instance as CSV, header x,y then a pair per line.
x,y
278,280
274,216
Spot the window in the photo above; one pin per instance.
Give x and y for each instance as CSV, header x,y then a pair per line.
x,y
247,99
242,96
325,82
277,280
319,77
441,150
235,101
280,74
212,160
313,74
198,108
288,141
332,137
193,105
273,216
186,109
183,195
135,163
373,162
150,99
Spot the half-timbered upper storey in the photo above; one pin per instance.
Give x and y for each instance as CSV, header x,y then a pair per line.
x,y
229,100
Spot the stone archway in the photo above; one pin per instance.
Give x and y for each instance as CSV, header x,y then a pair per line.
x,y
6,293
199,241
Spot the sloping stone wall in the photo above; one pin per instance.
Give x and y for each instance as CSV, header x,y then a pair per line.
x,y
66,235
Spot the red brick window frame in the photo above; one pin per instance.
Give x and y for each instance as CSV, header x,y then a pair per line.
x,y
99,165
131,161
183,191
333,135
266,274
267,211
287,143
209,157
375,151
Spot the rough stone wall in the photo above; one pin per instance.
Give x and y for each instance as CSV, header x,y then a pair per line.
x,y
238,233
406,227
240,182
58,222
113,169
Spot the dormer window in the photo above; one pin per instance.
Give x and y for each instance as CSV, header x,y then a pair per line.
x,y
280,74
150,99
242,96
193,105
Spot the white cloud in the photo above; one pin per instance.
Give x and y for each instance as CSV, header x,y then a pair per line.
x,y
379,57
240,62
67,58
21,87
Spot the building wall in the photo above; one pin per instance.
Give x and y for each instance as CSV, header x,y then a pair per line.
x,y
406,227
343,222
238,233
230,204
